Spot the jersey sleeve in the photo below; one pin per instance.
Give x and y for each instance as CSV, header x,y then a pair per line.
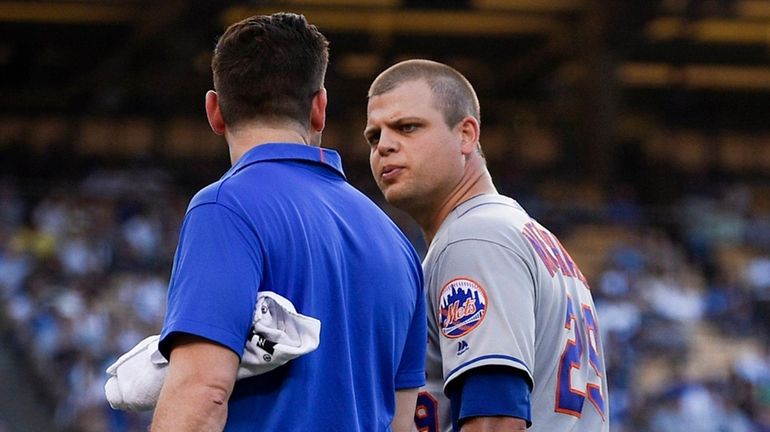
x,y
411,369
215,278
484,308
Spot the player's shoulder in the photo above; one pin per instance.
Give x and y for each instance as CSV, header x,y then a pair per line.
x,y
488,217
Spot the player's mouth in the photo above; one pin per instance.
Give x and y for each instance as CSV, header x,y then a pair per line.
x,y
390,172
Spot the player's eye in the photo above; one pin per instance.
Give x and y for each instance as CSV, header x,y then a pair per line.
x,y
373,138
408,128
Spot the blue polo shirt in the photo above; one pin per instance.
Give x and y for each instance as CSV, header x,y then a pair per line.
x,y
284,219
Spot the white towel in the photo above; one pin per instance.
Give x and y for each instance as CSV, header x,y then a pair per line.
x,y
279,334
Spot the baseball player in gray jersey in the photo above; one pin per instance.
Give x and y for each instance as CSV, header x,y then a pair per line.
x,y
513,333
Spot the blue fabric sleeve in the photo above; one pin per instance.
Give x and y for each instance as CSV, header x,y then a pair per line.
x,y
215,278
490,391
411,368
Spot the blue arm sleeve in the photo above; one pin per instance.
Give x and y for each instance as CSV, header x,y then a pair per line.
x,y
411,370
215,279
490,391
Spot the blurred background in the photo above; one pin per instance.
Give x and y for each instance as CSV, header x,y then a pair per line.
x,y
637,130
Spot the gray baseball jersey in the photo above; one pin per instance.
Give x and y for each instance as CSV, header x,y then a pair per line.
x,y
503,291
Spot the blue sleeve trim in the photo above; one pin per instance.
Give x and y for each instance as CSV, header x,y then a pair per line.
x,y
487,357
491,391
203,330
409,380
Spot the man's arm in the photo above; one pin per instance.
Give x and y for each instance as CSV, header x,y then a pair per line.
x,y
200,379
406,402
491,399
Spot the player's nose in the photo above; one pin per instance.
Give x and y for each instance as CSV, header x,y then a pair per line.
x,y
388,143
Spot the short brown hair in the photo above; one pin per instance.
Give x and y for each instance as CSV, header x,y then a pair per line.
x,y
452,92
269,67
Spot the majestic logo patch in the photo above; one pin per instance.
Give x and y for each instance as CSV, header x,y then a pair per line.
x,y
462,307
462,346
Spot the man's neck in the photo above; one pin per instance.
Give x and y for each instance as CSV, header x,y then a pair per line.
x,y
476,181
241,140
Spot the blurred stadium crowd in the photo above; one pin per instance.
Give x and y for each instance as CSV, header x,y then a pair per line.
x,y
683,293
83,274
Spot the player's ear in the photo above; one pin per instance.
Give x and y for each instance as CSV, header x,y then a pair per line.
x,y
318,111
214,113
470,132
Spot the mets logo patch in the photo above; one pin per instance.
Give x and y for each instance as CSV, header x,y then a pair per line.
x,y
462,306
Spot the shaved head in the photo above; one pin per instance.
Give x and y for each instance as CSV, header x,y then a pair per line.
x,y
453,95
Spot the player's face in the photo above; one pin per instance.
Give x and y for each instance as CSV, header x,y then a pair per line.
x,y
416,158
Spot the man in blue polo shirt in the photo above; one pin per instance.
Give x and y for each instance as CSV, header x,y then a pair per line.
x,y
284,219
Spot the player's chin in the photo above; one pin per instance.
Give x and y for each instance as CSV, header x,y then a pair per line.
x,y
390,195
396,196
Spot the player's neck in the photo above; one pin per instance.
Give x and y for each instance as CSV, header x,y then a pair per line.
x,y
243,139
476,181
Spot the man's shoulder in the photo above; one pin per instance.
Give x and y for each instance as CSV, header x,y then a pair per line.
x,y
207,195
227,192
492,218
237,184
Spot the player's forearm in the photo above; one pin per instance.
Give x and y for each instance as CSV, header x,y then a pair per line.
x,y
493,424
190,408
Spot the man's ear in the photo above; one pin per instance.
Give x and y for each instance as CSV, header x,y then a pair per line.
x,y
318,111
470,132
214,113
